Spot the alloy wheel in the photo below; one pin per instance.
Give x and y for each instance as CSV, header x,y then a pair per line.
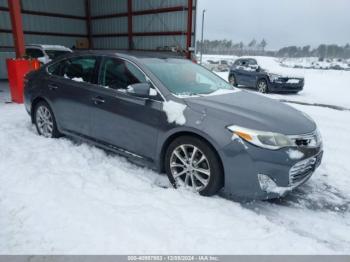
x,y
232,80
190,167
262,87
44,121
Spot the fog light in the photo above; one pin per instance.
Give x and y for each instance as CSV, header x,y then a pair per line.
x,y
266,183
269,186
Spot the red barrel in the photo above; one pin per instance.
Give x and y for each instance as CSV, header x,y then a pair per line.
x,y
16,70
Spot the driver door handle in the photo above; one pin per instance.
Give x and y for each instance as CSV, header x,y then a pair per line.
x,y
98,100
53,87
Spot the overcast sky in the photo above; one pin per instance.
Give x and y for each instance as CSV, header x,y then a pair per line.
x,y
280,22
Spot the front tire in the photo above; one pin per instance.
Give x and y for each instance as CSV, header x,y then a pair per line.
x,y
232,80
192,163
44,120
262,86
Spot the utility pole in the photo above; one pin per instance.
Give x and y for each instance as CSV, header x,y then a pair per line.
x,y
202,35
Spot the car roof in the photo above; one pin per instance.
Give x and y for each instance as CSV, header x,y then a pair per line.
x,y
132,54
48,47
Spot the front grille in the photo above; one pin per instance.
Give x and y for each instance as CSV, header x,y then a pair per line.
x,y
301,171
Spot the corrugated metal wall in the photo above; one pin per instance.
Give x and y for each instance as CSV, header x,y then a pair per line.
x,y
67,7
147,23
40,23
109,28
5,40
3,3
54,24
106,7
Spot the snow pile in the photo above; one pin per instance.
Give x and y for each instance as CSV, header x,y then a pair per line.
x,y
78,79
62,197
272,65
58,196
295,154
175,112
56,47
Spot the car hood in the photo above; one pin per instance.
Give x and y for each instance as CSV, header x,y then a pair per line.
x,y
283,73
253,111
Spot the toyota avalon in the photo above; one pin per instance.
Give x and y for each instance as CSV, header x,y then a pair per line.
x,y
175,116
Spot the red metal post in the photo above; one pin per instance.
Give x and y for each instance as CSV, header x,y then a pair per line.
x,y
88,23
189,28
17,27
130,45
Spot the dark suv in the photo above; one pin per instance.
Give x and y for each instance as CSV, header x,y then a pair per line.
x,y
248,72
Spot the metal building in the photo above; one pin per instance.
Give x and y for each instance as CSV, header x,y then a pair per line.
x,y
104,24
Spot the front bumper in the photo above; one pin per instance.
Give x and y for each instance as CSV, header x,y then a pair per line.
x,y
284,86
255,173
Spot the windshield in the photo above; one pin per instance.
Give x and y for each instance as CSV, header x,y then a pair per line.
x,y
55,53
183,77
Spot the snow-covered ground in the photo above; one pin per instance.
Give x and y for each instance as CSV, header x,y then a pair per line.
x,y
59,196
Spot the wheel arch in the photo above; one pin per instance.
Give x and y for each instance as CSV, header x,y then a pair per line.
x,y
264,78
33,105
178,134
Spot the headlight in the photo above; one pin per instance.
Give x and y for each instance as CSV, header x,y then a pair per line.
x,y
262,139
274,77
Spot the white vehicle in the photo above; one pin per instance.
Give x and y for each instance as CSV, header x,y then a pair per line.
x,y
221,65
46,53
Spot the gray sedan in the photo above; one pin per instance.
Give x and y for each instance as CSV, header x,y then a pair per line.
x,y
174,116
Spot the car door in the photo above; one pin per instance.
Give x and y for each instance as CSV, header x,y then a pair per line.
x,y
69,91
241,72
121,120
251,72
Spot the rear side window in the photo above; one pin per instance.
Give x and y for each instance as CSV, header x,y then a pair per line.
x,y
119,74
80,69
237,62
34,53
252,62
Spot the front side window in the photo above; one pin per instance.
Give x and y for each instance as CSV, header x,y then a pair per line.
x,y
252,62
183,77
119,74
52,54
34,53
80,69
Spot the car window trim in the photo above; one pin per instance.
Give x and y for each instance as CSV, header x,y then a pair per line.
x,y
99,68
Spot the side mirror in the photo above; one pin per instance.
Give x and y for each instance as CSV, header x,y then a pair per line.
x,y
140,89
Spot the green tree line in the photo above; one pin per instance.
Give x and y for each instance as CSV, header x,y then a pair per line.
x,y
254,47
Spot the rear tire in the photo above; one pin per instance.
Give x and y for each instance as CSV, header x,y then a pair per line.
x,y
44,120
262,86
190,162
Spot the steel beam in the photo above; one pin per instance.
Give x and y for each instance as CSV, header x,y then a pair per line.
x,y
88,23
189,28
130,42
143,12
17,27
141,34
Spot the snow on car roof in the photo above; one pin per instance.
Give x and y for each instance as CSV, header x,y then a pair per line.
x,y
50,47
272,65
